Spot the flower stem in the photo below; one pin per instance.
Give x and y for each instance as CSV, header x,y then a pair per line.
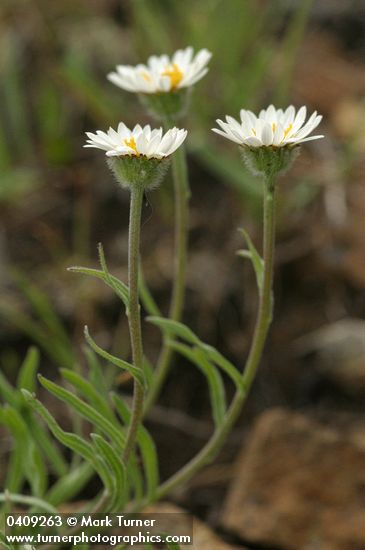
x,y
182,194
134,317
263,321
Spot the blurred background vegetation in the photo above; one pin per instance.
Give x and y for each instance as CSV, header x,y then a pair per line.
x,y
57,200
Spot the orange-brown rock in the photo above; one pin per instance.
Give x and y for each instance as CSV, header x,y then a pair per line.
x,y
299,485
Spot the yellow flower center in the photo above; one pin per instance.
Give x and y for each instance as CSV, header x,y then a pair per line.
x,y
175,75
288,130
146,76
273,127
132,144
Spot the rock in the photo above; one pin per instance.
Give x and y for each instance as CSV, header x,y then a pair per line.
x,y
340,351
204,537
299,486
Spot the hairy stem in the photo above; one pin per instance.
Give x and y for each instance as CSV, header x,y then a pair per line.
x,y
263,321
181,190
134,316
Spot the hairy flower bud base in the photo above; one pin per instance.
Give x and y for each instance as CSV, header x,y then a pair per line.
x,y
269,161
138,170
167,105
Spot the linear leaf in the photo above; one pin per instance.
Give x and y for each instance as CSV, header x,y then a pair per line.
x,y
147,299
97,374
32,464
85,410
70,440
254,256
70,485
41,437
118,286
134,371
175,328
7,496
134,480
215,356
147,448
4,544
90,393
148,372
27,375
42,306
117,468
114,283
216,388
8,393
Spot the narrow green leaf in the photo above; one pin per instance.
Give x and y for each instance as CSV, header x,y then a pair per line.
x,y
114,283
118,497
134,371
41,437
97,374
147,299
149,372
27,374
119,288
8,393
134,480
4,544
15,471
86,411
69,486
223,363
214,379
174,328
55,349
147,448
42,307
257,261
33,466
29,501
71,441
90,393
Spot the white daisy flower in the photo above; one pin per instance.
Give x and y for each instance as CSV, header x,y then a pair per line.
x,y
272,128
139,142
162,73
